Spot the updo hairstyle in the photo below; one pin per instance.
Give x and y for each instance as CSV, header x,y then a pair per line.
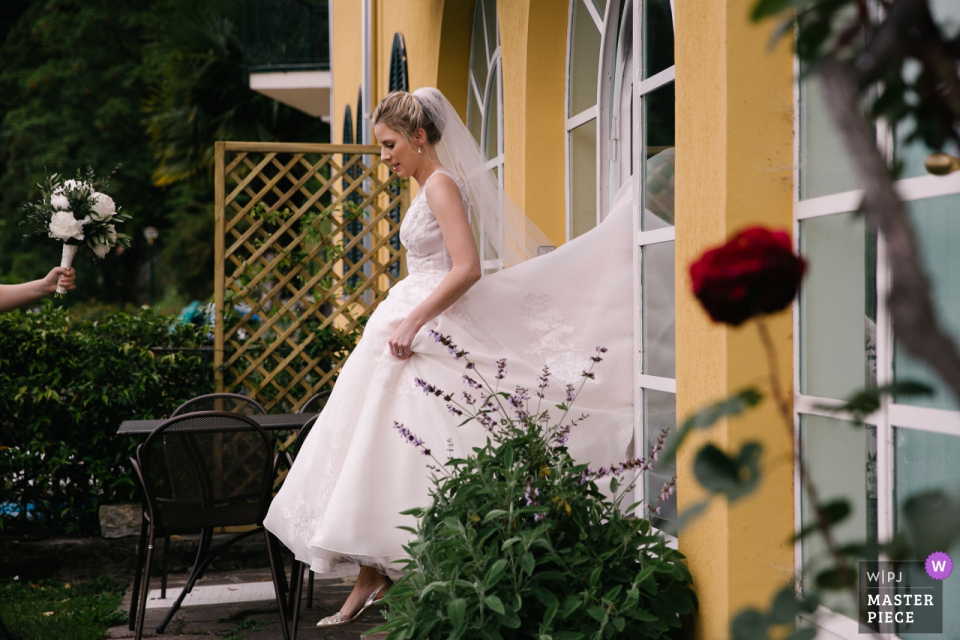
x,y
402,112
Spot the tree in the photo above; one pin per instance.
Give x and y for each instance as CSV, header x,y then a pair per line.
x,y
198,95
70,96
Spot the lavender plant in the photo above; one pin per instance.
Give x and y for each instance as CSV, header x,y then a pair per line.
x,y
520,541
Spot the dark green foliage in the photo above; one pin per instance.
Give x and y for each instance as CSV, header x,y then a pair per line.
x,y
51,610
519,542
66,384
71,92
149,85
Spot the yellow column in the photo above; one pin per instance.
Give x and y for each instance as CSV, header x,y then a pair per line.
x,y
734,158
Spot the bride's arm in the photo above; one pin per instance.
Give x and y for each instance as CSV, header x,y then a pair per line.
x,y
444,199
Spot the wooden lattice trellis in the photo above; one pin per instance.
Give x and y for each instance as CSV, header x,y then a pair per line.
x,y
307,245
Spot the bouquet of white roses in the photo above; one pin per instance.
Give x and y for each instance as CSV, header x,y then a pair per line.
x,y
79,214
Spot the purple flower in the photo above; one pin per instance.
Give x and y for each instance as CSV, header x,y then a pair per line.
x,y
473,384
501,368
467,398
530,495
452,409
408,435
571,394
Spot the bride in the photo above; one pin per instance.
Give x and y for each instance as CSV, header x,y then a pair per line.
x,y
354,474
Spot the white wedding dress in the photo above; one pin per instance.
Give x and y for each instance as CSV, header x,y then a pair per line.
x,y
354,474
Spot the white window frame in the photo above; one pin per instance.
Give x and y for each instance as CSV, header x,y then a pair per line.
x,y
482,95
609,39
890,415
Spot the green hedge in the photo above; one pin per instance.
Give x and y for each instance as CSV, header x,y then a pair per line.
x,y
66,384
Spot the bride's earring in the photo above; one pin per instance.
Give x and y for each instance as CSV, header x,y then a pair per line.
x,y
419,148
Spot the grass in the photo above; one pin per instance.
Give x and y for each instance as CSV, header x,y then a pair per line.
x,y
50,610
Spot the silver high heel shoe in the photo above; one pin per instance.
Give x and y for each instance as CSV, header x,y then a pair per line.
x,y
340,619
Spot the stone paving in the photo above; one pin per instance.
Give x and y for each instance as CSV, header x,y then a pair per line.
x,y
252,620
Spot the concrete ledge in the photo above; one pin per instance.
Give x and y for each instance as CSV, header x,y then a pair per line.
x,y
86,558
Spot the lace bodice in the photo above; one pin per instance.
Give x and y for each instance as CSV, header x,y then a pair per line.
x,y
420,232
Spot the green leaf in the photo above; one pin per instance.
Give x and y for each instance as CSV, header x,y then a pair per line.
x,y
596,613
527,563
570,635
494,573
709,416
867,401
834,511
510,619
451,523
571,604
766,8
719,473
457,610
749,625
644,616
932,521
494,603
834,580
614,483
496,513
785,607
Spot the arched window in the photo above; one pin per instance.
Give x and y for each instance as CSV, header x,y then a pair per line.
x,y
620,130
485,97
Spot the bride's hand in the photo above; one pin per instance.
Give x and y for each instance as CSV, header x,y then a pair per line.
x,y
402,339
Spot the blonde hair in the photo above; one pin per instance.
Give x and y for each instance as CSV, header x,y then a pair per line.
x,y
402,112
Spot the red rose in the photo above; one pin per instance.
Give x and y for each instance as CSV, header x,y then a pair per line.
x,y
755,272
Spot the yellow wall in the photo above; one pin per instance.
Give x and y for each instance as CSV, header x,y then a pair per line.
x,y
346,62
533,44
734,159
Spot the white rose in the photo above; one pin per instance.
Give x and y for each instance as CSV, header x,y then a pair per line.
x,y
63,226
103,206
59,202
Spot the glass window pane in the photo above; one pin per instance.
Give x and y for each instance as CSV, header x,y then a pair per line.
x,y
474,116
491,135
842,459
478,50
659,414
838,331
927,461
825,166
493,26
584,60
601,6
659,356
659,132
657,37
913,154
936,225
583,178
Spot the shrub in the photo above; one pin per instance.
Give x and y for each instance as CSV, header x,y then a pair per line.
x,y
66,384
520,542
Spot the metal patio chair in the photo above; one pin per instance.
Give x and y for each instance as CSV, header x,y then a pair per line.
x,y
297,568
233,402
204,470
314,404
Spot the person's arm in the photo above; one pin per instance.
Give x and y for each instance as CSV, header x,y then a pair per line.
x,y
17,295
444,199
